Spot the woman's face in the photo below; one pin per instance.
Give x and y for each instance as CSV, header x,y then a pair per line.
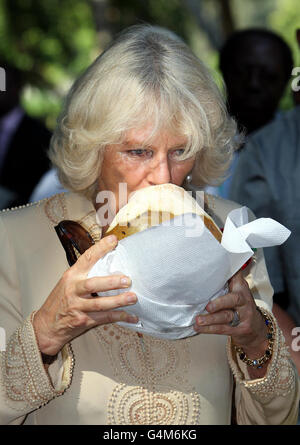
x,y
138,165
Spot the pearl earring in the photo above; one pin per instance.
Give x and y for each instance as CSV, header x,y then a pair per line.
x,y
189,178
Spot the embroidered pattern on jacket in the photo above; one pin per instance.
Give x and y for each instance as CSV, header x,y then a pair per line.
x,y
152,373
26,384
280,377
55,208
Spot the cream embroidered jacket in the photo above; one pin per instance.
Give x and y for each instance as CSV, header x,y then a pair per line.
x,y
110,375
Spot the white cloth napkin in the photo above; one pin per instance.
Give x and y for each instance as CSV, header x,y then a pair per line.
x,y
177,267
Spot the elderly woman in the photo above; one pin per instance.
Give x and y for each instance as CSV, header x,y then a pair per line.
x,y
146,112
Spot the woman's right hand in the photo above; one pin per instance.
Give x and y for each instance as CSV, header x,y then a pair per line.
x,y
70,310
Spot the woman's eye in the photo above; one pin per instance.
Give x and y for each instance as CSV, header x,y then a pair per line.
x,y
177,153
140,153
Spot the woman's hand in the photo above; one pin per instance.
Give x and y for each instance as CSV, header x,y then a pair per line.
x,y
250,333
70,310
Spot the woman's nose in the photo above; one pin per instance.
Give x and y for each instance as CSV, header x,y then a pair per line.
x,y
160,172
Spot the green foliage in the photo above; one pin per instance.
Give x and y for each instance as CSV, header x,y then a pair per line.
x,y
249,13
169,14
285,20
52,41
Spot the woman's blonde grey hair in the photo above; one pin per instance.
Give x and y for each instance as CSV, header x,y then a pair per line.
x,y
145,75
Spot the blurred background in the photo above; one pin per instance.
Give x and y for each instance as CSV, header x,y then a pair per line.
x,y
52,41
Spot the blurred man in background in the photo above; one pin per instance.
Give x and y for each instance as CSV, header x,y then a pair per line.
x,y
256,65
267,180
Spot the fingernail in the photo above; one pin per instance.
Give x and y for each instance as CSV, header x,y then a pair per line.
x,y
125,281
210,307
132,319
200,320
131,298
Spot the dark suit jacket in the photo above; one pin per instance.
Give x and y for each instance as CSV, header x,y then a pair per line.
x,y
26,159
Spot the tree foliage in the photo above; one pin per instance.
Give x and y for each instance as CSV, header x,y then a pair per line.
x,y
52,41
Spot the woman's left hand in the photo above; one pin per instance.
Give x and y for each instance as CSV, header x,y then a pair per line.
x,y
250,333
